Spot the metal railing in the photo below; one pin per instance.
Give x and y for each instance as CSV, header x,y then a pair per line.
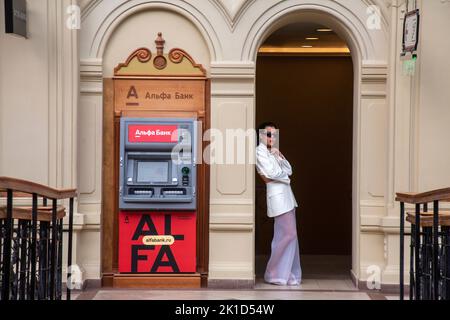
x,y
31,241
429,245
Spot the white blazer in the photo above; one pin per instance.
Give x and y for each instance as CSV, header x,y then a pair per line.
x,y
280,198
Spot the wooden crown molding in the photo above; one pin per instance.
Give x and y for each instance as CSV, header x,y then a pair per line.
x,y
142,63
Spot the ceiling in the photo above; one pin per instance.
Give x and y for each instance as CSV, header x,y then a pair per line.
x,y
292,38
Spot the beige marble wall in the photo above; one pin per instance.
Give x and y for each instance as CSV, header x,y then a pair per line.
x,y
432,109
38,101
24,99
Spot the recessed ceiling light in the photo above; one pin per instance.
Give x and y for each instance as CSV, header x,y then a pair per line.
x,y
278,50
312,38
324,30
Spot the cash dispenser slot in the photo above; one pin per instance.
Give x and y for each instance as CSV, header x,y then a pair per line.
x,y
173,192
177,194
139,194
142,192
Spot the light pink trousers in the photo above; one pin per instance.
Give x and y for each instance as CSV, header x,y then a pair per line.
x,y
284,264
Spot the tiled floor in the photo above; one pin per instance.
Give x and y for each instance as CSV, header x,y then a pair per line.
x,y
312,285
311,289
324,278
316,267
74,296
227,295
396,297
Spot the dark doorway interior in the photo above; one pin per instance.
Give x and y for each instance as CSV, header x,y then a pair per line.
x,y
311,100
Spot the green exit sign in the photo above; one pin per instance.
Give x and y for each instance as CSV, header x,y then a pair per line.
x,y
409,66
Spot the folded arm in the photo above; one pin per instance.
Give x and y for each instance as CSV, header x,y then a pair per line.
x,y
270,170
266,180
284,164
286,167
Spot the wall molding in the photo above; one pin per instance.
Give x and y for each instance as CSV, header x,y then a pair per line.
x,y
91,70
87,6
232,218
231,270
373,203
232,11
233,71
231,202
375,74
233,94
63,84
231,227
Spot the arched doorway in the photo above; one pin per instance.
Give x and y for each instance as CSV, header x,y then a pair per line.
x,y
305,84
371,109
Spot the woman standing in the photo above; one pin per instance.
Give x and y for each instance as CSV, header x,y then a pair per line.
x,y
284,264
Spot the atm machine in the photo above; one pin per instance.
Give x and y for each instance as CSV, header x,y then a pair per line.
x,y
157,196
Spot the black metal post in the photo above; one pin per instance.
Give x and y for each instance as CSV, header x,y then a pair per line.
x,y
435,271
69,253
445,264
23,258
425,262
412,283
60,257
1,256
53,251
1,252
402,251
417,254
34,212
16,245
29,259
6,283
43,260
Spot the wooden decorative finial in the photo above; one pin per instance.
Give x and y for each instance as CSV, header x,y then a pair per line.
x,y
160,61
160,42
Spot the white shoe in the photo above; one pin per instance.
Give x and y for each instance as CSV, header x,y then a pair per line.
x,y
276,282
294,283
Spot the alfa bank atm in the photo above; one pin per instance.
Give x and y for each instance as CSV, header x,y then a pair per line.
x,y
157,196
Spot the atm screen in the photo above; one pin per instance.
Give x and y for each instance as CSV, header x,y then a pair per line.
x,y
152,172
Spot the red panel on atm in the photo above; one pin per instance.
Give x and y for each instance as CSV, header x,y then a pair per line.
x,y
138,231
152,134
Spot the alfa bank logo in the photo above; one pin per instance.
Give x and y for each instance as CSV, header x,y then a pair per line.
x,y
149,133
152,134
157,242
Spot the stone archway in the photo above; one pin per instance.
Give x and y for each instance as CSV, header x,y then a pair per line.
x,y
370,93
